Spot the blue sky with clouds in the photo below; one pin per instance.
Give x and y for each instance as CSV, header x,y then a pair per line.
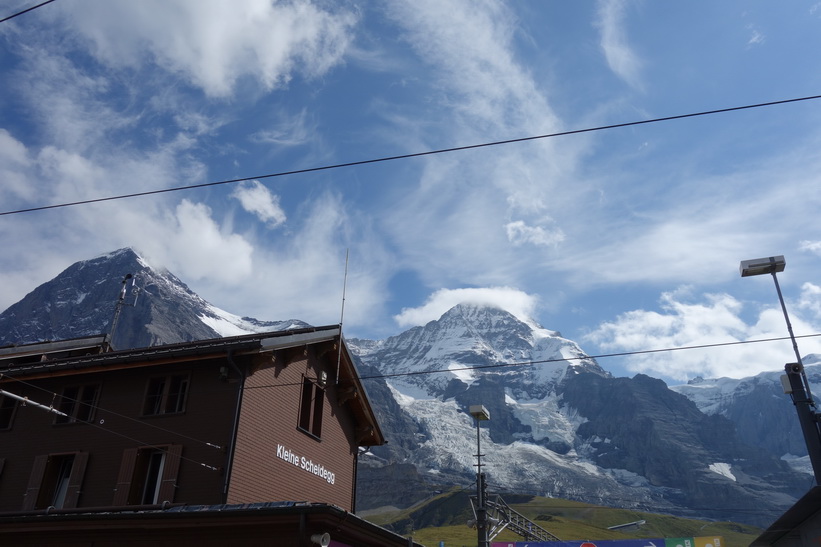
x,y
625,239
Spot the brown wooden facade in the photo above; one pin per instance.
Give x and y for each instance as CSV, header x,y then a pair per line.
x,y
250,419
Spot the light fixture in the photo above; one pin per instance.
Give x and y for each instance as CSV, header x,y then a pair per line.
x,y
321,539
761,266
479,412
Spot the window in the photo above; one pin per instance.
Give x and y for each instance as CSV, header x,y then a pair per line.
x,y
7,407
166,395
148,475
78,403
55,481
310,408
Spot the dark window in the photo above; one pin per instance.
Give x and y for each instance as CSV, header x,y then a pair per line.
x,y
78,403
7,407
310,408
55,481
148,475
166,395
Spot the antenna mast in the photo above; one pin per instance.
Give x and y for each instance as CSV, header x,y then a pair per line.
x,y
118,308
342,316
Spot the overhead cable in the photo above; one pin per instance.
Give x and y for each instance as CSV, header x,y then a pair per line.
x,y
408,156
4,19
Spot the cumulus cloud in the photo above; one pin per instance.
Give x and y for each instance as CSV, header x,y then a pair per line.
x,y
617,51
687,322
518,303
199,249
213,43
258,200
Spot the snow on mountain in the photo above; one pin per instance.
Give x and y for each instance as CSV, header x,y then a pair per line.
x,y
763,414
158,308
468,341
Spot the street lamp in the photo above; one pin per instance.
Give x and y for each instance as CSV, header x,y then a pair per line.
x,y
480,413
795,382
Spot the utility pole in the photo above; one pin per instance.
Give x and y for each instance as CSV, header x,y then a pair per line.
x,y
794,384
480,413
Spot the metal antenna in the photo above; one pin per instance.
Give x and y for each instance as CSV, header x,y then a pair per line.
x,y
118,308
342,316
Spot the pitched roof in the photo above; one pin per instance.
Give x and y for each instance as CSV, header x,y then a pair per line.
x,y
87,355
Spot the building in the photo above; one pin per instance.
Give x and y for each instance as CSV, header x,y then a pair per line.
x,y
92,438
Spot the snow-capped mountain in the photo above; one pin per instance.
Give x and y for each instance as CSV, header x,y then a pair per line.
x,y
158,308
763,415
560,424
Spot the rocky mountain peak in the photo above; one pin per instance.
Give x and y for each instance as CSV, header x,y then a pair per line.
x,y
157,309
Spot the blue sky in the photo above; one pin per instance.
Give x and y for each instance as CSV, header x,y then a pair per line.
x,y
625,239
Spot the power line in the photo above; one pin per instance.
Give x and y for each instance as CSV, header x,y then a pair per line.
x,y
26,11
554,360
411,155
102,410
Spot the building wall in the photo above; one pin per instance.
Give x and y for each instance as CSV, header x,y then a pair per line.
x,y
272,455
117,426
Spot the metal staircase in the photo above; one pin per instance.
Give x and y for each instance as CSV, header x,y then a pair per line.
x,y
500,516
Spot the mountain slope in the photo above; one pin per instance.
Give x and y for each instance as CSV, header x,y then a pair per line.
x,y
763,414
81,302
560,425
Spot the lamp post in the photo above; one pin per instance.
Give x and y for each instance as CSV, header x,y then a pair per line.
x,y
795,381
480,413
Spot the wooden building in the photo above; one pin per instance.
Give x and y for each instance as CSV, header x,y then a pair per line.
x,y
217,424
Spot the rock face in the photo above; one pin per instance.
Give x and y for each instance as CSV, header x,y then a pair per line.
x,y
560,424
763,415
81,301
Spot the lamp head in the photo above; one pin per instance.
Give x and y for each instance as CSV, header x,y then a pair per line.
x,y
760,266
479,412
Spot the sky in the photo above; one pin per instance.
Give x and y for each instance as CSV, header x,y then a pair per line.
x,y
624,239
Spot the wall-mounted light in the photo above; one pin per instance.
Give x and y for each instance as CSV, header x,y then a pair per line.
x,y
321,539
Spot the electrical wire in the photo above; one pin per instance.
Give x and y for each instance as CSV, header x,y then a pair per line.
x,y
102,410
553,360
3,20
408,156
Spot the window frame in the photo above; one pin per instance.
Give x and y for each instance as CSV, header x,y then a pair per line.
x,y
7,412
311,408
78,407
48,473
132,480
163,398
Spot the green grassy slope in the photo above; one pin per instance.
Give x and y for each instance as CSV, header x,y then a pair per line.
x,y
444,516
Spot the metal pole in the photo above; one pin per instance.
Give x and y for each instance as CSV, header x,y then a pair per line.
x,y
481,510
807,416
787,319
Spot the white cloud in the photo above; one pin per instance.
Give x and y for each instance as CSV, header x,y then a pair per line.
x,y
198,249
258,200
756,38
715,319
14,161
287,131
213,43
519,233
517,302
617,51
811,246
478,88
